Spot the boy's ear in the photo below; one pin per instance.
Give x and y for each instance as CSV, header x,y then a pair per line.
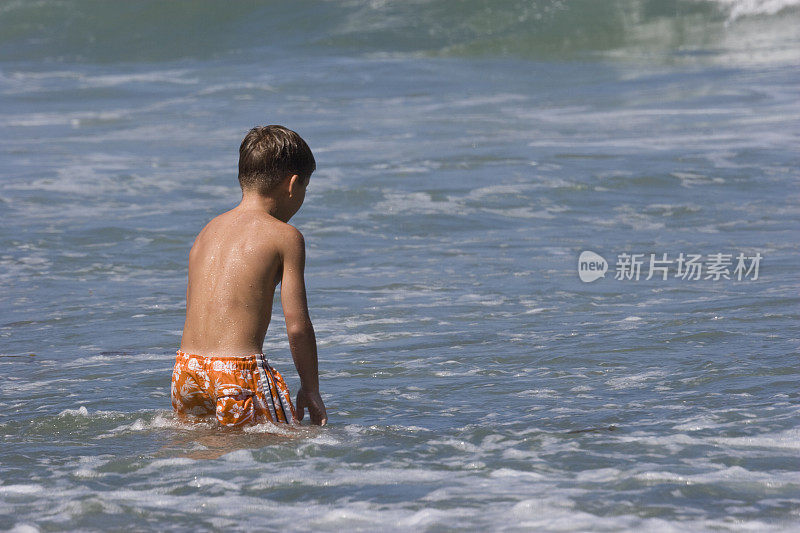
x,y
295,182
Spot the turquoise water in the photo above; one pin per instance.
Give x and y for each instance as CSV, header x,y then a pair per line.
x,y
467,154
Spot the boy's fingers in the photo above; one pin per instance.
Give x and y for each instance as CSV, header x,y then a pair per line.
x,y
320,417
316,410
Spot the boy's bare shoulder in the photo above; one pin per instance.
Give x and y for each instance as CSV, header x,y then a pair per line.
x,y
292,235
216,224
277,233
261,234
290,239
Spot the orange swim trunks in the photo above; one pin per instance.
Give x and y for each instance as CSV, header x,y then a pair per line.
x,y
240,391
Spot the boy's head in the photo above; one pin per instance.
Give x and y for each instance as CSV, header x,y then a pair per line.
x,y
270,154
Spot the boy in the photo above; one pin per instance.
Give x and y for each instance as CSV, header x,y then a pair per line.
x,y
235,264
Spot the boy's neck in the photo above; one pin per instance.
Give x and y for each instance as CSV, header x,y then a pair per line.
x,y
267,204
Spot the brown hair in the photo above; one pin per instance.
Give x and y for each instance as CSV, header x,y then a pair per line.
x,y
269,154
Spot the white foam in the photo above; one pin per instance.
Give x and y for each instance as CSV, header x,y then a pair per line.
x,y
452,373
174,76
788,440
21,489
537,393
81,411
744,8
676,442
426,517
418,203
699,422
24,528
61,119
344,475
235,86
599,475
537,310
517,474
354,338
162,420
213,482
635,381
269,428
733,474
239,456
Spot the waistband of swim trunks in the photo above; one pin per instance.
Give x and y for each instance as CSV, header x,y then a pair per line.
x,y
241,359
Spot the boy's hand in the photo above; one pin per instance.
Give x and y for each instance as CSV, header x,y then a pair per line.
x,y
316,409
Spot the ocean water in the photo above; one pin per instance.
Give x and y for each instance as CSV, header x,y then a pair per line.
x,y
468,152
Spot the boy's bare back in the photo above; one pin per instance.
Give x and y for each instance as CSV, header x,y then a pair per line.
x,y
235,264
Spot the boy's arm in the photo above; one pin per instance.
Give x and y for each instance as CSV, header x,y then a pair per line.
x,y
302,341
